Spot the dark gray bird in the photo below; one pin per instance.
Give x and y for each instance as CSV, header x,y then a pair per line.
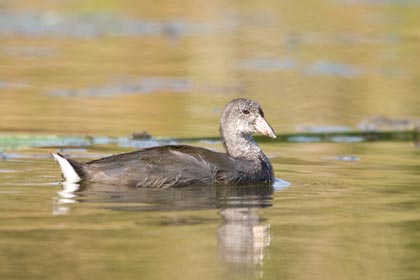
x,y
179,165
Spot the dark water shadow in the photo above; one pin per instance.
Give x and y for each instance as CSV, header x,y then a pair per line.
x,y
243,237
122,198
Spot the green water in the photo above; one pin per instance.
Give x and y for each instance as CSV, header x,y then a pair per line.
x,y
74,73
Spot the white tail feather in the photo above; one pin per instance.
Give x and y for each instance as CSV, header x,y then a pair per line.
x,y
69,174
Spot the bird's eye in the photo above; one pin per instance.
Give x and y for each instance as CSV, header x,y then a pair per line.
x,y
245,111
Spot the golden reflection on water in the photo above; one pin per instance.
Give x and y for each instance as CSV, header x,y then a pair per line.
x,y
339,219
351,60
311,62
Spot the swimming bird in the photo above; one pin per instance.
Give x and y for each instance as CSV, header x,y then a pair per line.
x,y
180,165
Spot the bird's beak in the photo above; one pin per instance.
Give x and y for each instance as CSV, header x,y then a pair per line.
x,y
262,126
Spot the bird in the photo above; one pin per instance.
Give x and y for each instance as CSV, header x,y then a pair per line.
x,y
173,166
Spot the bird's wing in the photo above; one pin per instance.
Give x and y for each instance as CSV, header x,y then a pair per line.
x,y
162,167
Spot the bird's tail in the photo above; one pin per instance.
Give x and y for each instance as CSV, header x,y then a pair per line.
x,y
72,170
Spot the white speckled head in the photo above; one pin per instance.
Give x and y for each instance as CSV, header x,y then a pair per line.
x,y
239,120
245,117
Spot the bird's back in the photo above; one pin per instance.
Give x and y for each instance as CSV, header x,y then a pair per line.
x,y
163,167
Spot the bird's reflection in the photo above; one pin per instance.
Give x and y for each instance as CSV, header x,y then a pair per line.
x,y
243,236
67,195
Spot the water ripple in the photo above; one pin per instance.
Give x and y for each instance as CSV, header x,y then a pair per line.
x,y
333,69
53,24
267,64
146,86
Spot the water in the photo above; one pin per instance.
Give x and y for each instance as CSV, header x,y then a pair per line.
x,y
81,76
339,219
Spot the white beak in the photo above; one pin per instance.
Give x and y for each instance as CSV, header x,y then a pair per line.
x,y
262,126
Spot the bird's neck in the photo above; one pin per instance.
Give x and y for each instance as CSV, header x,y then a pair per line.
x,y
241,146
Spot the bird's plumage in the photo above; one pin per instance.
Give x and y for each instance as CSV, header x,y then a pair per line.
x,y
181,165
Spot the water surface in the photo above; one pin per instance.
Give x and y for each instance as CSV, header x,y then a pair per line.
x,y
81,76
341,219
